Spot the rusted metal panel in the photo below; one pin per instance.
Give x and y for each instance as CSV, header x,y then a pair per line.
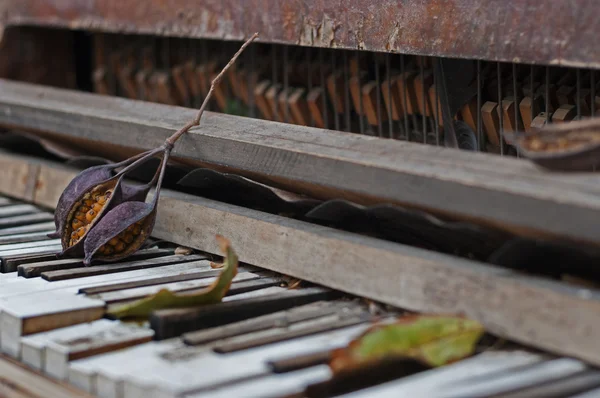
x,y
557,32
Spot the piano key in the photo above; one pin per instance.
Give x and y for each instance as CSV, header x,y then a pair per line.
x,y
10,259
432,382
174,322
25,237
60,351
5,201
53,247
31,270
153,281
191,369
30,286
28,245
264,322
299,362
270,386
18,209
11,263
119,267
510,381
83,373
140,292
27,228
25,315
595,393
577,383
300,329
22,220
18,382
33,347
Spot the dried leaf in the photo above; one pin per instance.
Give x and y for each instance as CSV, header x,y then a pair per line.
x,y
166,299
433,340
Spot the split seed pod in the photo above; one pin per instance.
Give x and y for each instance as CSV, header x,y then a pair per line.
x,y
124,228
88,197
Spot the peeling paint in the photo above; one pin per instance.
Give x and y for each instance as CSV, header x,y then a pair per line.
x,y
490,30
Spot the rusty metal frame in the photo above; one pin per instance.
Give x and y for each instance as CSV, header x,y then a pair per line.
x,y
552,32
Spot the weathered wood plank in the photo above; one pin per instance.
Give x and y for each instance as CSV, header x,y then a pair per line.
x,y
507,193
559,318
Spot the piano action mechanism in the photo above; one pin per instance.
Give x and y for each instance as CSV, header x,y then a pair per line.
x,y
359,158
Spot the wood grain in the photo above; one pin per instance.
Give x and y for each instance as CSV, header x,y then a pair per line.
x,y
511,194
528,309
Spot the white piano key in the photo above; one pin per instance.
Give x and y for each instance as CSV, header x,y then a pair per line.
x,y
34,285
255,293
271,386
22,229
62,349
15,210
191,368
510,381
83,373
22,316
135,293
25,237
27,245
33,348
53,248
432,382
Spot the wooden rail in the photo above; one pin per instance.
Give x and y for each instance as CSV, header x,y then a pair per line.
x,y
506,193
532,310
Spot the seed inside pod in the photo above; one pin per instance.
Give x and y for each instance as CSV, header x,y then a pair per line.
x,y
120,232
86,210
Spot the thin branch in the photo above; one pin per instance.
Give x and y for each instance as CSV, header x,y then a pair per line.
x,y
172,139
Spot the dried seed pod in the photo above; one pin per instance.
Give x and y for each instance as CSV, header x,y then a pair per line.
x,y
112,228
129,223
87,197
82,223
78,185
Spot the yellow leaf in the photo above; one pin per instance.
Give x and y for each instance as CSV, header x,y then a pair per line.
x,y
434,340
167,299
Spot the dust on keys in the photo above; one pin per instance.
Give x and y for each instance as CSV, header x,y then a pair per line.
x,y
263,340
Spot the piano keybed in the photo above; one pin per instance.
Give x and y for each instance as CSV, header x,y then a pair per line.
x,y
263,340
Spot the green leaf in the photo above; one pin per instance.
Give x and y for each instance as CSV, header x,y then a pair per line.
x,y
167,299
434,340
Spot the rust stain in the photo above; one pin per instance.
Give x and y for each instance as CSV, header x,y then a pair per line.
x,y
492,30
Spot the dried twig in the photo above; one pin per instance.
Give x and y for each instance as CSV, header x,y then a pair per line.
x,y
171,140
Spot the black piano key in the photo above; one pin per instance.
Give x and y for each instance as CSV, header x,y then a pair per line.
x,y
252,285
33,270
295,363
10,261
16,221
575,384
118,267
229,347
273,320
174,322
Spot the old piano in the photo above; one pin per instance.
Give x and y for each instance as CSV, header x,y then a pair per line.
x,y
357,156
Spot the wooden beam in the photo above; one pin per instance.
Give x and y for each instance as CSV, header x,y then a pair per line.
x,y
532,310
511,194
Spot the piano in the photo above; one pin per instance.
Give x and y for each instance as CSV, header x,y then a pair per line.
x,y
358,157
